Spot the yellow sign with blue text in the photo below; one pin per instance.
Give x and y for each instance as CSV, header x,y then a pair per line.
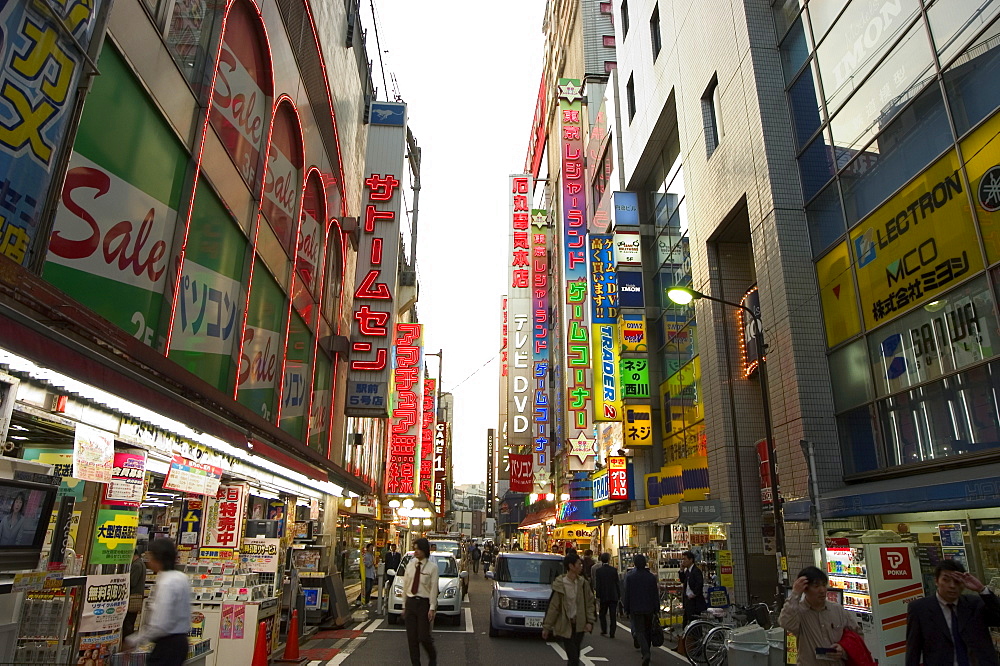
x,y
916,245
605,361
838,295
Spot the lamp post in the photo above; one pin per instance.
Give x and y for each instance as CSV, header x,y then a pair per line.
x,y
684,296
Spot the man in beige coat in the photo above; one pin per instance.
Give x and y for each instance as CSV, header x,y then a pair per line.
x,y
571,609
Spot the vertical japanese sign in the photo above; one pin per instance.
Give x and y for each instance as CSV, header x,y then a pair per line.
x,y
114,536
105,603
604,329
440,467
502,411
191,514
638,426
635,377
224,517
491,489
579,393
427,429
402,472
42,64
377,263
617,478
519,367
541,415
93,454
241,100
521,479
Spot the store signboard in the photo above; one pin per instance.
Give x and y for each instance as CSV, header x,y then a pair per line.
x,y
440,467
633,332
838,295
260,363
618,478
950,334
638,426
627,248
726,576
666,486
62,467
519,328
93,454
402,473
604,330
981,151
105,602
283,175
521,473
374,316
241,99
578,373
188,476
296,385
224,516
704,511
630,294
428,422
114,536
127,480
917,245
43,56
260,555
603,283
541,416
191,518
635,378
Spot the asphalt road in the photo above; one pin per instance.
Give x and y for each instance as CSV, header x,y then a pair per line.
x,y
375,642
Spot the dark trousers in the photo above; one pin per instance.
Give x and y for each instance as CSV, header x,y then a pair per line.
x,y
475,566
369,585
418,629
128,627
608,607
642,627
693,608
169,651
572,647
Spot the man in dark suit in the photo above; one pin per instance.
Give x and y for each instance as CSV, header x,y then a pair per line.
x,y
694,588
609,590
950,627
392,560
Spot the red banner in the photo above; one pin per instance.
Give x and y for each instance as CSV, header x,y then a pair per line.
x,y
521,480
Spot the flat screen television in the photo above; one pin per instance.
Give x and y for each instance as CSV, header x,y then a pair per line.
x,y
25,510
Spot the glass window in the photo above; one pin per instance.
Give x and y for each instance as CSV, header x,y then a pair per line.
x,y
804,102
912,140
887,90
794,51
826,219
972,81
850,376
951,417
954,22
822,14
815,166
948,334
785,13
189,35
857,42
857,441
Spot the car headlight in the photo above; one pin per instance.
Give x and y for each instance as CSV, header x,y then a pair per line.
x,y
504,602
398,589
450,592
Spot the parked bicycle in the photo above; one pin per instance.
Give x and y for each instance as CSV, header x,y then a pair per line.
x,y
705,639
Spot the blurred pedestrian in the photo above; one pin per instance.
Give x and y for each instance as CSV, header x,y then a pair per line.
x,y
642,604
475,555
571,610
136,592
609,591
169,618
588,564
420,585
369,561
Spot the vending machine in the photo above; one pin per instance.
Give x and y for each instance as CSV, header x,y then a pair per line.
x,y
876,581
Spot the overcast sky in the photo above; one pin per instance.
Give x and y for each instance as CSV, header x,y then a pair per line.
x,y
469,72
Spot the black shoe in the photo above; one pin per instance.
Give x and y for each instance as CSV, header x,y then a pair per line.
x,y
604,633
645,662
612,635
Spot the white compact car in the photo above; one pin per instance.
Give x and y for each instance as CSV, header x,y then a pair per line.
x,y
449,587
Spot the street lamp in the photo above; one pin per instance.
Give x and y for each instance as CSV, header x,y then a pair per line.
x,y
685,296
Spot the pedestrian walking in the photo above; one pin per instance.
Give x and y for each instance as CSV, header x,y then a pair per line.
x,y
488,558
588,565
136,592
475,555
392,560
950,627
169,618
641,601
420,582
816,622
609,591
571,611
693,581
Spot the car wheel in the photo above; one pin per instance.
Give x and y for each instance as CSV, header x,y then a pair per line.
x,y
392,618
457,620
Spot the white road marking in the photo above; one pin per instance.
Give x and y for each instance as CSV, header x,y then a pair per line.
x,y
665,649
374,625
584,659
468,621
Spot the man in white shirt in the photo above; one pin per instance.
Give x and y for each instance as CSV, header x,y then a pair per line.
x,y
420,585
169,618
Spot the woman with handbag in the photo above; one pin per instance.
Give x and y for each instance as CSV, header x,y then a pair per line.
x,y
572,610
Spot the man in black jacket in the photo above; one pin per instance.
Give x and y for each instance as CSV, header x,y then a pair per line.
x,y
609,590
950,627
392,560
694,588
642,603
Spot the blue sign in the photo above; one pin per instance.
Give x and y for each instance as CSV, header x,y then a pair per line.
x,y
626,207
368,394
630,290
388,113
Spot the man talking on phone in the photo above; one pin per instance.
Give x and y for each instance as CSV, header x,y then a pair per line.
x,y
816,622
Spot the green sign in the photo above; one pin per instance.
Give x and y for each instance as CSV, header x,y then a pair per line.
x,y
635,378
260,362
114,537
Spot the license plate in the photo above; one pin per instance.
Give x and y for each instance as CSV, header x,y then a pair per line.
x,y
533,622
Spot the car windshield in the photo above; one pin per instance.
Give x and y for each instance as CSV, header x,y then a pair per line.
x,y
447,547
446,565
528,570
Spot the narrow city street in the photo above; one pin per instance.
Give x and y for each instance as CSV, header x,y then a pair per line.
x,y
375,642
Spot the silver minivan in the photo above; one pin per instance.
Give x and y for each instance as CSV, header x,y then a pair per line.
x,y
522,585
